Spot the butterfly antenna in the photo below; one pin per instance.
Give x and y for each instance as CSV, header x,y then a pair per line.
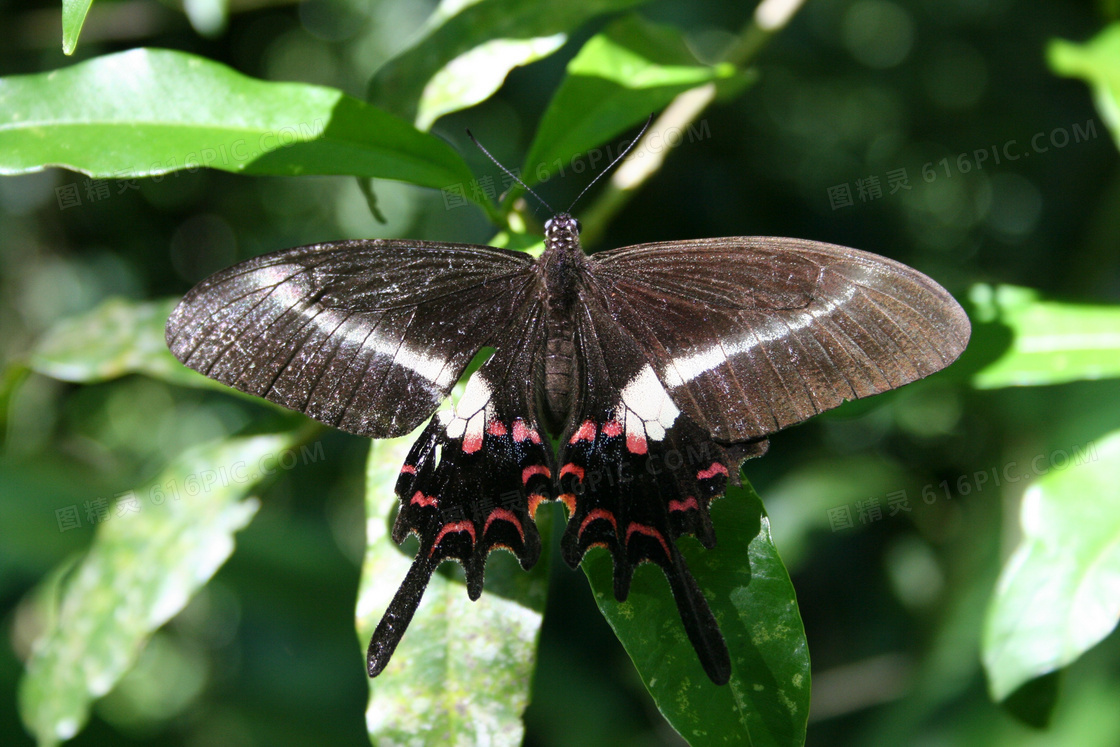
x,y
621,155
511,175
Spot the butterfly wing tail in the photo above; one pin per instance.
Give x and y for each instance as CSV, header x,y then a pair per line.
x,y
699,622
399,614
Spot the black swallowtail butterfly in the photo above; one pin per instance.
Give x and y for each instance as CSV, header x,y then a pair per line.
x,y
686,353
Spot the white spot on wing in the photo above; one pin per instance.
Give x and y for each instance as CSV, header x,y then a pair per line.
x,y
474,427
456,428
648,406
475,397
470,410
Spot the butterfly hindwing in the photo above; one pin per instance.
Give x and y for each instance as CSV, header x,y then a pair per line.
x,y
754,334
472,482
366,336
636,473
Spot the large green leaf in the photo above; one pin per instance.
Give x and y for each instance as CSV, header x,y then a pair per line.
x,y
476,74
152,111
73,18
1098,64
462,673
1059,592
118,337
155,547
439,73
619,78
1051,343
767,700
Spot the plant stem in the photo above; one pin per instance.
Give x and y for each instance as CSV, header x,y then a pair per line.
x,y
769,18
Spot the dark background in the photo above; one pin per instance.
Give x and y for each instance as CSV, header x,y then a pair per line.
x,y
892,606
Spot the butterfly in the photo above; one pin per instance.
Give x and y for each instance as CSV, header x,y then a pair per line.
x,y
658,368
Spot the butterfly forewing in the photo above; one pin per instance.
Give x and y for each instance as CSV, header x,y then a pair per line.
x,y
751,335
366,336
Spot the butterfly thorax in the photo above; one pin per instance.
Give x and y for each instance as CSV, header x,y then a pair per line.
x,y
559,270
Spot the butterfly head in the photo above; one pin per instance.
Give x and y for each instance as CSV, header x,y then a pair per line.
x,y
562,231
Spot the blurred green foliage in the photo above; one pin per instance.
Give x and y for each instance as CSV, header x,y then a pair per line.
x,y
951,544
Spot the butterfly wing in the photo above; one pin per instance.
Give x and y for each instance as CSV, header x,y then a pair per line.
x,y
751,335
473,480
365,336
636,473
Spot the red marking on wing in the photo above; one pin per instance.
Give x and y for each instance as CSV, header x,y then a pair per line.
x,y
586,432
569,500
574,469
715,469
535,469
472,442
496,428
503,514
408,469
636,443
685,505
534,501
452,527
612,428
521,432
649,532
419,499
598,513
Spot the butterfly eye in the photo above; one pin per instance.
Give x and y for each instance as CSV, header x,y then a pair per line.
x,y
548,224
579,226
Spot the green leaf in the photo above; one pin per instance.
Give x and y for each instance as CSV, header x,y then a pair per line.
x,y
459,26
147,112
1059,592
11,377
158,545
73,18
117,338
463,672
1098,64
1033,703
475,75
767,700
1052,342
617,80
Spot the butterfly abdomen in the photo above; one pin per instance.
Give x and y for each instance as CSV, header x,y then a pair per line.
x,y
559,270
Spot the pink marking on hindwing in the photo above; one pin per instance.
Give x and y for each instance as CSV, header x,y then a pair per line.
x,y
471,443
453,527
503,514
522,432
572,469
586,432
636,443
535,469
419,499
648,531
598,513
408,469
612,428
496,429
534,501
715,469
685,505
